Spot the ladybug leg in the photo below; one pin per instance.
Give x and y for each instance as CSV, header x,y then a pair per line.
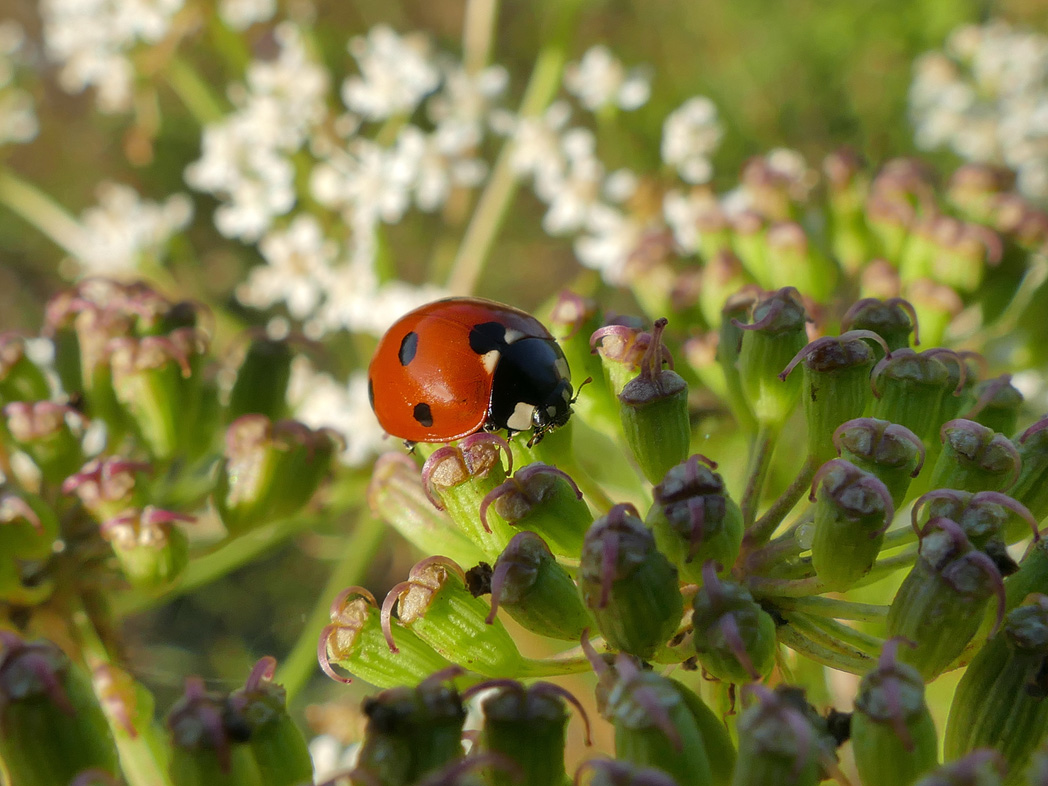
x,y
410,446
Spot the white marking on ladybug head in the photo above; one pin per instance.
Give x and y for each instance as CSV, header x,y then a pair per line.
x,y
520,420
561,365
567,394
512,335
490,360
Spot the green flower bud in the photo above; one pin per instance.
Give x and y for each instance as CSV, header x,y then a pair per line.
x,y
853,510
49,433
775,190
1031,488
262,380
28,533
411,732
694,520
151,550
892,731
527,724
995,403
157,380
458,478
734,637
720,750
979,768
965,250
654,726
20,379
108,486
936,306
621,348
975,189
975,458
890,452
776,335
908,389
777,743
889,222
729,346
722,277
750,241
1000,701
794,262
356,641
395,495
533,588
260,709
546,501
436,605
964,368
631,588
271,470
654,410
847,187
51,726
129,707
204,748
941,601
983,516
893,320
572,321
836,385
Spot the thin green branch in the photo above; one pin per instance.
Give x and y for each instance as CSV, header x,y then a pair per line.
x,y
760,463
889,565
836,634
802,645
478,32
42,212
834,608
766,525
785,588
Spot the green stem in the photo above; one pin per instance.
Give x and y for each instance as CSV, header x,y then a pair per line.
x,y
766,525
194,92
889,565
785,588
552,667
837,635
760,462
773,554
209,567
357,556
498,194
835,608
819,653
903,536
42,212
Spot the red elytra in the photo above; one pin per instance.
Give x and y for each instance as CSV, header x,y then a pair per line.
x,y
456,366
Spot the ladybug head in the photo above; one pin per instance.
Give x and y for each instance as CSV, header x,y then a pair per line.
x,y
553,413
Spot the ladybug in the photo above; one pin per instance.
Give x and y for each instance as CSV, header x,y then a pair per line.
x,y
460,365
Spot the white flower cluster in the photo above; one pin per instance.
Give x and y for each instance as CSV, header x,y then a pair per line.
x,y
18,121
599,79
986,98
92,40
689,136
241,14
122,229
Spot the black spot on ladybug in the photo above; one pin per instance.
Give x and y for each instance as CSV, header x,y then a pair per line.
x,y
371,392
485,337
408,348
423,415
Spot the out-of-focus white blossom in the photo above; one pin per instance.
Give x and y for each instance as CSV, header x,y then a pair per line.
x,y
435,168
985,96
690,135
18,121
330,757
576,189
681,211
537,149
396,73
366,182
92,39
298,266
610,240
241,14
459,110
123,228
600,79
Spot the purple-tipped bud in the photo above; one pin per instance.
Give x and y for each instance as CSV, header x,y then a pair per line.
x,y
975,458
151,549
888,451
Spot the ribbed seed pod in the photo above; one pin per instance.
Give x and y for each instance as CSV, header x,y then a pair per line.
x,y
909,389
777,743
995,403
893,320
262,380
1031,488
888,451
975,458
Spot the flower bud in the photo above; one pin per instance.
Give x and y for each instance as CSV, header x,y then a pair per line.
x,y
262,381
694,520
411,732
794,262
1000,701
271,470
777,743
892,731
395,495
893,320
152,551
890,452
975,458
356,641
836,385
750,241
654,726
532,587
108,486
964,368
720,750
260,709
995,403
28,531
129,708
769,343
572,321
979,768
847,186
458,478
157,380
984,516
51,726
941,601
546,501
49,433
631,588
621,348
909,388
853,510
20,379
936,306
722,277
734,637
974,189
1031,488
435,604
729,345
204,748
654,410
526,724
